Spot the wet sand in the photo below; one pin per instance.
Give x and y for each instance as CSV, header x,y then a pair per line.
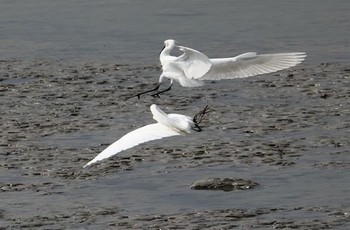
x,y
56,116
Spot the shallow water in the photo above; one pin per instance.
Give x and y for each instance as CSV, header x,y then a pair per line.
x,y
127,31
158,193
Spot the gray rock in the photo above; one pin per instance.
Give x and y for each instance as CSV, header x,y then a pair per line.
x,y
225,184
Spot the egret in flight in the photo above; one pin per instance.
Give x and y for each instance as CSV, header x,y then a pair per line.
x,y
167,125
192,66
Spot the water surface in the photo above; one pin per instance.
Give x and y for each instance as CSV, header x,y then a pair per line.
x,y
127,31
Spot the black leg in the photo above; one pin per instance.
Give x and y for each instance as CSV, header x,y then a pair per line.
x,y
198,118
139,94
161,91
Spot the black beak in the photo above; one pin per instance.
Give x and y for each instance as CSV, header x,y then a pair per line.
x,y
162,50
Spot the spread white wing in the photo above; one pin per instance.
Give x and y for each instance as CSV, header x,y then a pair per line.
x,y
193,63
250,64
136,137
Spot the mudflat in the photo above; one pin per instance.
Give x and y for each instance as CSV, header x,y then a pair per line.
x,y
287,131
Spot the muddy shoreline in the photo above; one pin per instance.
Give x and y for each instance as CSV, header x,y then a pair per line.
x,y
56,116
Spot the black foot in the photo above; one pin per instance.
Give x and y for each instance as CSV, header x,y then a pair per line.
x,y
160,92
139,94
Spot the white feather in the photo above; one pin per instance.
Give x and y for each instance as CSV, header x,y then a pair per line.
x,y
185,68
194,63
141,135
192,67
251,64
168,125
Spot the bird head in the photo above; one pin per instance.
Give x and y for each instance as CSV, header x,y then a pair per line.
x,y
170,43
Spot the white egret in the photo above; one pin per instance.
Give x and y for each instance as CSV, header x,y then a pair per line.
x,y
192,66
168,125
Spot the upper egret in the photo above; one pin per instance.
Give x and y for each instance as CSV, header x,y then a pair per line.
x,y
192,66
168,125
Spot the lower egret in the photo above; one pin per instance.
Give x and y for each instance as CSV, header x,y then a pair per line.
x,y
168,125
192,66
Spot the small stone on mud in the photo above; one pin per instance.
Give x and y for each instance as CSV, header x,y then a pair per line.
x,y
225,184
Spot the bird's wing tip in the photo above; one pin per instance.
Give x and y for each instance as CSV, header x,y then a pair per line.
x,y
88,164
